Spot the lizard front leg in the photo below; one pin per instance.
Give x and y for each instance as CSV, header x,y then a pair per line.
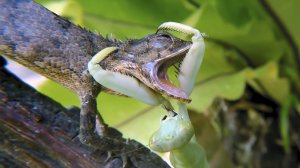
x,y
88,118
93,129
87,95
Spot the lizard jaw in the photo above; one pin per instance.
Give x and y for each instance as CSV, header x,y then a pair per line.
x,y
160,81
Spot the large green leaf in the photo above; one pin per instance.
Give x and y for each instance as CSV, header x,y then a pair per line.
x,y
256,37
130,19
268,75
228,86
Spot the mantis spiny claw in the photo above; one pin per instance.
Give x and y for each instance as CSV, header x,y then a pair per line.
x,y
102,54
122,83
176,133
181,28
190,66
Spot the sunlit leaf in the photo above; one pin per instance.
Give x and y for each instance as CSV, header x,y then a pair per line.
x,y
228,86
284,124
278,88
287,10
68,9
238,13
257,39
59,93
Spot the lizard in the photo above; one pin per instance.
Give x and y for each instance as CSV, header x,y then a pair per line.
x,y
176,134
56,48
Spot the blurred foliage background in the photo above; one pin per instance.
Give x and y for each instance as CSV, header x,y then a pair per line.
x,y
245,105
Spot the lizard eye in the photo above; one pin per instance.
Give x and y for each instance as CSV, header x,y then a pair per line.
x,y
162,42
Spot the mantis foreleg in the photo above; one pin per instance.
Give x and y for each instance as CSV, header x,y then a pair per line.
x,y
190,154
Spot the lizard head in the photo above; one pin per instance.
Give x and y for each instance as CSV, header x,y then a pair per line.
x,y
148,60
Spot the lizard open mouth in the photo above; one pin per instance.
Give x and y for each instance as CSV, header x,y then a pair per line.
x,y
140,68
158,71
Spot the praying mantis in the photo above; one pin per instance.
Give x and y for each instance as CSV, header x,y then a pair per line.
x,y
176,133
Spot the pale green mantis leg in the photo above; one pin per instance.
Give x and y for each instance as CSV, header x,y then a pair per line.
x,y
190,65
190,155
183,153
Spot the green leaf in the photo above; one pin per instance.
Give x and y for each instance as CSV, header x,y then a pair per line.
x,y
59,93
276,87
284,123
68,9
143,124
287,10
238,13
133,18
221,75
257,39
117,109
229,86
219,60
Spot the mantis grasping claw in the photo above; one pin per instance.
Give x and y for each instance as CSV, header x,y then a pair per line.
x,y
119,82
191,63
190,154
176,133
